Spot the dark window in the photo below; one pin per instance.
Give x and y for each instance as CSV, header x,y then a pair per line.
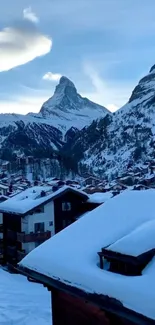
x,y
66,206
39,227
39,210
50,223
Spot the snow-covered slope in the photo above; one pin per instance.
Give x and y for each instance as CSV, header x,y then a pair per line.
x,y
113,143
66,108
23,302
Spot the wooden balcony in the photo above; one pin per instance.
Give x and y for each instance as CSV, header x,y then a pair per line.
x,y
33,237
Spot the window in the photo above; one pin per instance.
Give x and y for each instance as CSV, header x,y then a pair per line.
x,y
50,223
39,227
39,210
66,206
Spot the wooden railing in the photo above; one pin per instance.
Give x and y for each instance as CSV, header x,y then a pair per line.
x,y
33,237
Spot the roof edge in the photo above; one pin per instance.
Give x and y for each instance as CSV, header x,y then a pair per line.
x,y
107,303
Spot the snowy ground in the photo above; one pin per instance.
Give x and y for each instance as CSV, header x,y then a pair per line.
x,y
23,302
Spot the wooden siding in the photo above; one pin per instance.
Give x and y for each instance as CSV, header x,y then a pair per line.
x,y
11,225
70,310
67,216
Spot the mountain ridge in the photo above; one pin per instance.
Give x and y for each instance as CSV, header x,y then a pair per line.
x,y
127,139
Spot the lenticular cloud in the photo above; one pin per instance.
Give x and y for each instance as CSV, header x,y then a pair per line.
x,y
21,44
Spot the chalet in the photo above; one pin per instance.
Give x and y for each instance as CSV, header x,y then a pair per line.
x,y
101,269
94,189
5,166
36,214
91,180
4,189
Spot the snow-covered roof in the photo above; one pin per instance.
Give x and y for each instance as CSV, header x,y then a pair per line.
x,y
102,227
3,187
31,198
99,197
139,241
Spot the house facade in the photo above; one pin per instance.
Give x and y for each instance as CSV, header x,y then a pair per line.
x,y
43,217
4,189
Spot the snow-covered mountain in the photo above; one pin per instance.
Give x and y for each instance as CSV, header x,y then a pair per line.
x,y
58,120
66,108
102,142
111,144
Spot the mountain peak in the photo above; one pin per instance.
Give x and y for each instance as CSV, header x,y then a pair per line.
x,y
152,70
66,104
64,81
65,87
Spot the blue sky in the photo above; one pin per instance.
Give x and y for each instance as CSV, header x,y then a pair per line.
x,y
103,46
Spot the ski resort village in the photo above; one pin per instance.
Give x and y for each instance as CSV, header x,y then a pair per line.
x,y
77,162
78,250
77,220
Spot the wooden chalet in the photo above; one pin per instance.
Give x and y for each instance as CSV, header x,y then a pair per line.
x,y
36,214
91,180
120,289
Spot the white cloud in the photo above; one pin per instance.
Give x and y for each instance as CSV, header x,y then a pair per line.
x,y
21,44
52,76
110,95
30,15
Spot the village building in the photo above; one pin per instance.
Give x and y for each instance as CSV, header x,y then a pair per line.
x,y
101,269
91,180
36,214
4,189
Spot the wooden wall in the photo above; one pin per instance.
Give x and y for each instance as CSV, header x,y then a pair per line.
x,y
68,216
69,310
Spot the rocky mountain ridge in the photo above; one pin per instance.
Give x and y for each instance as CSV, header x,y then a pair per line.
x,y
109,145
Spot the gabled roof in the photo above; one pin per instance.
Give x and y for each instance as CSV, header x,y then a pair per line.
x,y
29,199
3,187
104,226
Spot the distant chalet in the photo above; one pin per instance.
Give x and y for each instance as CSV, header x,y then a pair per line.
x,y
35,215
